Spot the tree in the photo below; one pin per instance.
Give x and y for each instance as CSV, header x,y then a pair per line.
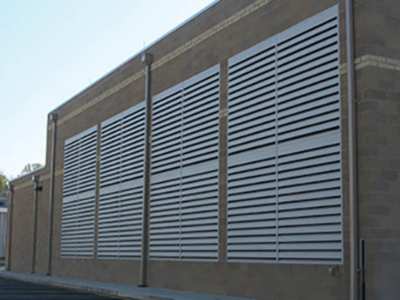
x,y
3,183
29,168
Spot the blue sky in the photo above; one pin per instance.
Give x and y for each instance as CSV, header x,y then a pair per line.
x,y
52,49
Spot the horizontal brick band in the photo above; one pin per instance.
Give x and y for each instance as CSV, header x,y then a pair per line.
x,y
377,61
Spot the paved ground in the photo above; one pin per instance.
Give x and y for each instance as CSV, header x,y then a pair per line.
x,y
124,291
18,290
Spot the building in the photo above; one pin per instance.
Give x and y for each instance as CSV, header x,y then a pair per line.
x,y
268,165
3,224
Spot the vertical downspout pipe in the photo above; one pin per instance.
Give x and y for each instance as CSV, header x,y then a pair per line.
x,y
53,120
36,189
147,60
10,226
352,148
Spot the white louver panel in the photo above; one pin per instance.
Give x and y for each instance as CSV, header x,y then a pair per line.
x,y
79,195
309,194
184,188
284,165
121,185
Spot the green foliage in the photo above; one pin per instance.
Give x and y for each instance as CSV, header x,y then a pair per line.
x,y
3,183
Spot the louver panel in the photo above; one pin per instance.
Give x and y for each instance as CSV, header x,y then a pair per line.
x,y
252,101
167,123
306,112
165,215
252,204
199,211
309,193
79,197
184,193
200,120
284,164
121,185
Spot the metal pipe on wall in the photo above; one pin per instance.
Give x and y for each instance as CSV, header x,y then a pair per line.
x,y
36,189
352,142
147,60
10,226
53,120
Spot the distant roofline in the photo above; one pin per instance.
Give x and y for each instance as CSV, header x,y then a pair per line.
x,y
28,174
180,25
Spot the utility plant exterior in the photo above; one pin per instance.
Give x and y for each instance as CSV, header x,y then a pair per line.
x,y
254,151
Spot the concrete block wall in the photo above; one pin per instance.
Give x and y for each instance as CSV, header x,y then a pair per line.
x,y
225,29
22,234
378,105
379,177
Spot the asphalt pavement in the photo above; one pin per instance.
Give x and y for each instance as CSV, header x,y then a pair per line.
x,y
18,290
